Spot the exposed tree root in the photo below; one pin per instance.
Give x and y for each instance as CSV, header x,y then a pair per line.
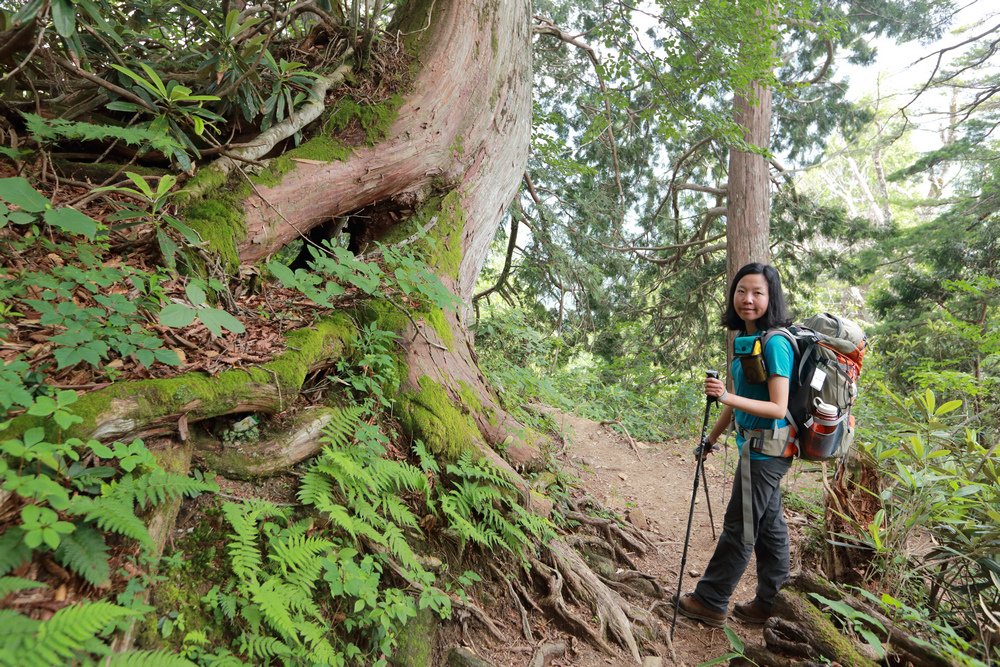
x,y
522,612
268,457
901,643
157,407
798,633
617,617
546,652
175,457
469,607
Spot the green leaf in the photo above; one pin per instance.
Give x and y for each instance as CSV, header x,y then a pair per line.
x,y
72,221
282,273
177,315
216,320
18,191
102,25
64,17
947,407
195,294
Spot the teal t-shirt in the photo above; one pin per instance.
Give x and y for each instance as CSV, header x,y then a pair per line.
x,y
778,360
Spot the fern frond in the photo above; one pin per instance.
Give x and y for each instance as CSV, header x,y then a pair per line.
x,y
85,552
160,486
228,604
343,423
112,514
265,509
16,639
367,513
13,552
161,658
307,576
297,552
320,650
244,554
457,521
257,646
399,512
58,128
303,605
71,628
427,461
340,516
400,548
274,602
10,585
227,659
339,465
315,486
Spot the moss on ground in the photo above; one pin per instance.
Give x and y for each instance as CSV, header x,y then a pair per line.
x,y
197,562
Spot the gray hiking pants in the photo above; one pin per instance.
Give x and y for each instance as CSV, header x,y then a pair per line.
x,y
771,546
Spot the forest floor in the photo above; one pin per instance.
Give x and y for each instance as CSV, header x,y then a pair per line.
x,y
651,485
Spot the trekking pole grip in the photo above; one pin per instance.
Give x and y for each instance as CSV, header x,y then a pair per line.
x,y
715,375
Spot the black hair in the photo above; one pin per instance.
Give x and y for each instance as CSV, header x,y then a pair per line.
x,y
776,315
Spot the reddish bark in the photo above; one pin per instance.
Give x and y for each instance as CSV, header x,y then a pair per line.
x,y
749,209
465,123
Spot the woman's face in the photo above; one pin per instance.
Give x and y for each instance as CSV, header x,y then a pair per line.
x,y
750,298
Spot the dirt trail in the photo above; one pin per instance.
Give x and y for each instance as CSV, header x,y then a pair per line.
x,y
652,485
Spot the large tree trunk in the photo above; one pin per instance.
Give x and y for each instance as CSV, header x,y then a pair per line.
x,y
749,205
465,125
454,156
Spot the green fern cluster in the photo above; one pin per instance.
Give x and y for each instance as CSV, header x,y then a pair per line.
x,y
358,489
289,580
72,631
481,505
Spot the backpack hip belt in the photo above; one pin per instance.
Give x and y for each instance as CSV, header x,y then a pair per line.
x,y
771,442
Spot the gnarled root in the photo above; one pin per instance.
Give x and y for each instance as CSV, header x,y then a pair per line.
x,y
272,456
617,617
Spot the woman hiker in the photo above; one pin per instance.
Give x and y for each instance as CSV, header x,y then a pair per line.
x,y
754,519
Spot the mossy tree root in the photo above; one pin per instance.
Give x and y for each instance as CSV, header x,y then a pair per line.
x,y
901,642
174,456
159,407
799,633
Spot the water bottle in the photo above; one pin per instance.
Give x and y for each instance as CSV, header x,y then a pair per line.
x,y
824,417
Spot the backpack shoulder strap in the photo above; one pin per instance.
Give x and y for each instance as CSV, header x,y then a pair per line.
x,y
785,333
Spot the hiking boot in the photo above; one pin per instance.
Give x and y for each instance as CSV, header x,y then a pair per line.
x,y
754,612
692,607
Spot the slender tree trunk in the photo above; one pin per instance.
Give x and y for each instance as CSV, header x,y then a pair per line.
x,y
749,208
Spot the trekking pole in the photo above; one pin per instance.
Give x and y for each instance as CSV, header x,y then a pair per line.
x,y
700,451
708,501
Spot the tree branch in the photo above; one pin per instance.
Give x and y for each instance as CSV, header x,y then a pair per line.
x,y
104,83
547,27
511,244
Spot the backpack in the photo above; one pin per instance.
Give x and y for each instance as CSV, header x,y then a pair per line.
x,y
828,353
